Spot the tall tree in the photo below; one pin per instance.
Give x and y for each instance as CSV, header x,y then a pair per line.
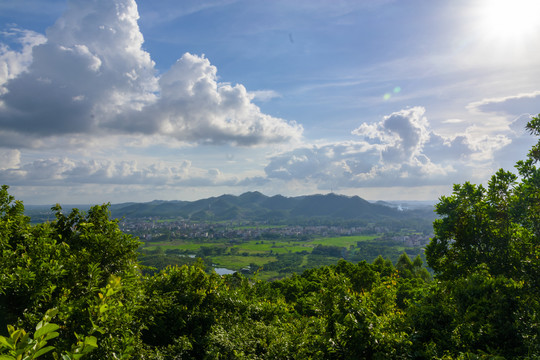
x,y
486,254
66,265
497,227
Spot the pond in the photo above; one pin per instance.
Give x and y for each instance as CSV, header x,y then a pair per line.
x,y
223,271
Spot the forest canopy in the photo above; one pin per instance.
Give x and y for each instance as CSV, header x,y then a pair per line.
x,y
73,288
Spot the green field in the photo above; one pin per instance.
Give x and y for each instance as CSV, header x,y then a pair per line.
x,y
280,257
276,247
344,241
237,262
266,246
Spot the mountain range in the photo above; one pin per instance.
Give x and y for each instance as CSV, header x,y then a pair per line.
x,y
258,207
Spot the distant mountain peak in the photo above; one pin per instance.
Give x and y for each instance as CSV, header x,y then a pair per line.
x,y
254,205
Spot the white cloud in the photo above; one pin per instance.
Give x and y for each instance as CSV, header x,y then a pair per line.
x,y
264,95
505,117
91,68
522,142
452,121
93,77
399,150
511,104
13,63
9,159
69,172
194,107
403,134
63,170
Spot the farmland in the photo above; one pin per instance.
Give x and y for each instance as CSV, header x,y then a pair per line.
x,y
278,256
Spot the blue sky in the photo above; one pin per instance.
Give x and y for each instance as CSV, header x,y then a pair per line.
x,y
117,100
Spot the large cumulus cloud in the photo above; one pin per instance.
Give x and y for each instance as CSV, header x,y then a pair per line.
x,y
91,76
91,68
193,106
399,150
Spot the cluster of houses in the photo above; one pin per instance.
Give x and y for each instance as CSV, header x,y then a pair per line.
x,y
150,229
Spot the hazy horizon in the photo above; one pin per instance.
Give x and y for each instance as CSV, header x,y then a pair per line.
x,y
392,202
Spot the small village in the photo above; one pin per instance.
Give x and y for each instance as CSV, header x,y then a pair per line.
x,y
153,230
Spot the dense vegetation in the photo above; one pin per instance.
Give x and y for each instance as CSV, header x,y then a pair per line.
x,y
72,288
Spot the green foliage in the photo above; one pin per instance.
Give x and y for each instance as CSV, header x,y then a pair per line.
x,y
497,227
477,313
64,265
19,345
182,306
153,263
106,314
486,254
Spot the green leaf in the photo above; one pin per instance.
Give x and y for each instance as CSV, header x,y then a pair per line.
x,y
43,351
52,312
51,335
15,335
6,357
25,338
5,342
40,324
47,328
91,341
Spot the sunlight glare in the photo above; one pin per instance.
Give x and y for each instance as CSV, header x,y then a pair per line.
x,y
509,19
